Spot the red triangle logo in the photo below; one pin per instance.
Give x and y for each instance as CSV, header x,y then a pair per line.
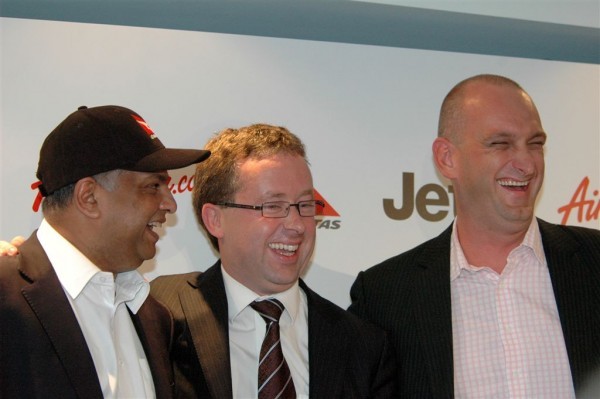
x,y
329,210
144,126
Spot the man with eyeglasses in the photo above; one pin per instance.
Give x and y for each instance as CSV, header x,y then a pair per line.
x,y
244,197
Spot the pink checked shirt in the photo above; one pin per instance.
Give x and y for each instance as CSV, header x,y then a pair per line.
x,y
508,341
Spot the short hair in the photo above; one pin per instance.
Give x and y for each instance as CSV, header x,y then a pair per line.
x,y
451,116
61,198
216,179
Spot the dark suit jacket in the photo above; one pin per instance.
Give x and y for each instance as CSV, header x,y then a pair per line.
x,y
43,353
348,357
409,297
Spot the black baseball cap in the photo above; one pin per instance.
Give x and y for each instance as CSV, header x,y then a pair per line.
x,y
100,139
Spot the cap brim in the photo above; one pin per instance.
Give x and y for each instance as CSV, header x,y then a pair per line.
x,y
169,159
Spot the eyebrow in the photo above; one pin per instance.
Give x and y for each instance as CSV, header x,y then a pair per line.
x,y
511,135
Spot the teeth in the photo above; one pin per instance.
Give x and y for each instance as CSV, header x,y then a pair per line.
x,y
284,247
154,224
513,183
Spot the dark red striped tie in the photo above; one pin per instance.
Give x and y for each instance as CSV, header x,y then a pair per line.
x,y
274,378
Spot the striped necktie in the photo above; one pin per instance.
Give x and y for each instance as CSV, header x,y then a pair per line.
x,y
274,377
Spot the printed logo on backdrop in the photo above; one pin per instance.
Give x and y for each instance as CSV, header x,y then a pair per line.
x,y
584,205
433,202
330,218
181,185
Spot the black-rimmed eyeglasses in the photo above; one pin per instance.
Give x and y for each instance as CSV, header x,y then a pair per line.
x,y
280,209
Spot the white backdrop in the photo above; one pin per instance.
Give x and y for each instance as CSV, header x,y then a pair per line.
x,y
367,114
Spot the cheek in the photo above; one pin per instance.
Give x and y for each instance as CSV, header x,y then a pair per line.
x,y
310,226
490,164
539,160
250,234
310,232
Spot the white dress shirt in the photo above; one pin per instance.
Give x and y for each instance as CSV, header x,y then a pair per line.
x,y
247,330
508,340
100,304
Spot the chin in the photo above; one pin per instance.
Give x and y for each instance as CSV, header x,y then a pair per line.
x,y
149,255
285,281
520,216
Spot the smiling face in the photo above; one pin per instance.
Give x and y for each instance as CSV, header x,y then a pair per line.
x,y
267,255
496,156
138,203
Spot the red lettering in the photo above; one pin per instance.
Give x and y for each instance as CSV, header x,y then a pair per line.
x,y
190,185
38,198
185,183
182,184
183,180
586,208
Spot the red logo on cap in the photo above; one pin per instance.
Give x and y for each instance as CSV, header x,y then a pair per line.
x,y
144,126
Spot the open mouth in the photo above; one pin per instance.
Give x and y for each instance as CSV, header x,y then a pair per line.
x,y
284,249
153,225
515,185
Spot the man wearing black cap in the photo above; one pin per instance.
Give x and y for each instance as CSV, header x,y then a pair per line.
x,y
76,318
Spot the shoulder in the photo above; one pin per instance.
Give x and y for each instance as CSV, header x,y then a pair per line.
x,y
9,265
22,271
11,279
350,324
26,265
171,284
434,251
167,289
175,279
556,233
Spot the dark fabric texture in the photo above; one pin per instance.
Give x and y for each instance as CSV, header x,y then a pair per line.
x,y
43,353
409,297
348,358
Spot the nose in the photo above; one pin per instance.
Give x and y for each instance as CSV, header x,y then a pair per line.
x,y
524,162
293,221
168,202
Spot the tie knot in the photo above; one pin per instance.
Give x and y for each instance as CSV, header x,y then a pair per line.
x,y
270,309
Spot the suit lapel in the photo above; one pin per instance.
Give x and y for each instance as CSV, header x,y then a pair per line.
x,y
155,332
50,305
205,308
433,313
575,295
325,348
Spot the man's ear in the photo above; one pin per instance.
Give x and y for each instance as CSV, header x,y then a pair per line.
x,y
84,197
444,157
212,216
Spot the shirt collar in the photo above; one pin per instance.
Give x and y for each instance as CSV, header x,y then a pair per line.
x,y
239,297
533,240
458,261
75,270
132,288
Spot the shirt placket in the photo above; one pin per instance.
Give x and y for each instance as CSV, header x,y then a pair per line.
x,y
510,334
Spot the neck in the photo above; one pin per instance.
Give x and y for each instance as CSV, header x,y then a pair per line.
x,y
489,246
